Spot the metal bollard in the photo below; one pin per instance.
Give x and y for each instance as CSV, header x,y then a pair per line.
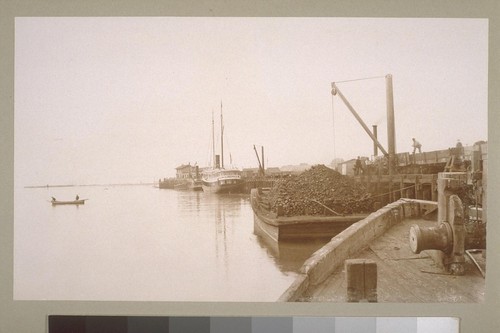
x,y
431,238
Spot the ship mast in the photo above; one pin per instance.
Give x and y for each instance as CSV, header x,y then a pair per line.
x,y
221,138
213,141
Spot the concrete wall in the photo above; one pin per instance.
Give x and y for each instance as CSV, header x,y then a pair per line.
x,y
351,241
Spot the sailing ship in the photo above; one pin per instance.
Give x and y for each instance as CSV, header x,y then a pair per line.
x,y
218,178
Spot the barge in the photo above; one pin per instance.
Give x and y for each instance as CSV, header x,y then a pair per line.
x,y
284,228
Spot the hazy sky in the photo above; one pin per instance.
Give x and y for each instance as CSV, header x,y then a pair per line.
x,y
104,100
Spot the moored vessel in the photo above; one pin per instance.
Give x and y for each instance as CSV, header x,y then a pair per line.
x,y
70,202
300,227
219,179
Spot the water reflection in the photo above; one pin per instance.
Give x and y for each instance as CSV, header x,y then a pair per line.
x,y
288,256
221,230
189,201
227,212
138,243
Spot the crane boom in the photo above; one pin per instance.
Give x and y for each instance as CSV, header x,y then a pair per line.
x,y
261,169
335,91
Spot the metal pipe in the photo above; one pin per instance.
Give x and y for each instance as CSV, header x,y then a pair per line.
x,y
335,91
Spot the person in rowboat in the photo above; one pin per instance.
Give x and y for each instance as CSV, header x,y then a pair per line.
x,y
77,197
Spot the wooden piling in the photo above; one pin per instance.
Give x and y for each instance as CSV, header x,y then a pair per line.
x,y
361,276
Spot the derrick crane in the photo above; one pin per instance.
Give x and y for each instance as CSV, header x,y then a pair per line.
x,y
390,121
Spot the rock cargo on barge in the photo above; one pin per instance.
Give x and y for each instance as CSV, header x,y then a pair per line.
x,y
317,204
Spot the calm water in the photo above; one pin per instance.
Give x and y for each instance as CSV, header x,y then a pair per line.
x,y
140,243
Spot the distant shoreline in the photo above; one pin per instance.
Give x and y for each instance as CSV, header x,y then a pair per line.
x,y
81,185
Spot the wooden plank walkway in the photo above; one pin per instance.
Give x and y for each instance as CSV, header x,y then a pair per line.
x,y
405,277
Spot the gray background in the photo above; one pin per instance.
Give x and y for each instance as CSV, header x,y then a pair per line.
x,y
28,316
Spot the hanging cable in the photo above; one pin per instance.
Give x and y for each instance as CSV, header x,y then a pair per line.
x,y
229,150
333,126
380,195
209,152
366,78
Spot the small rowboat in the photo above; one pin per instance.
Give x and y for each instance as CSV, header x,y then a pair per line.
x,y
72,202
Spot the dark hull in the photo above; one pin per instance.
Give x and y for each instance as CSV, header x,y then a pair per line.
x,y
216,187
166,184
277,228
183,185
197,185
73,202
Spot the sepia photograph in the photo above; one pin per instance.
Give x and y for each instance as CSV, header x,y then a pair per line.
x,y
250,159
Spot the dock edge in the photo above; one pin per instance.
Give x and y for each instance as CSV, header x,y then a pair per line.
x,y
326,260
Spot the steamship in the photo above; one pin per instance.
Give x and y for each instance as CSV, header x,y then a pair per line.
x,y
219,179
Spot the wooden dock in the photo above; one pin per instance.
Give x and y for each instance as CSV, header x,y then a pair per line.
x,y
405,277
389,188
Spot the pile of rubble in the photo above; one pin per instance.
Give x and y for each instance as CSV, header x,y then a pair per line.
x,y
319,191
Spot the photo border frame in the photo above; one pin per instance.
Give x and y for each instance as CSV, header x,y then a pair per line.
x,y
31,316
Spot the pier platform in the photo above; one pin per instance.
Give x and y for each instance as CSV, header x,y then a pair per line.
x,y
404,277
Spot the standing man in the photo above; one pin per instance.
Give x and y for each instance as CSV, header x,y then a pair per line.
x,y
416,145
358,167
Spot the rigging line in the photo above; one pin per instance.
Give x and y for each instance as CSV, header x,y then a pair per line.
x,y
379,195
395,191
209,151
229,150
211,145
366,78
